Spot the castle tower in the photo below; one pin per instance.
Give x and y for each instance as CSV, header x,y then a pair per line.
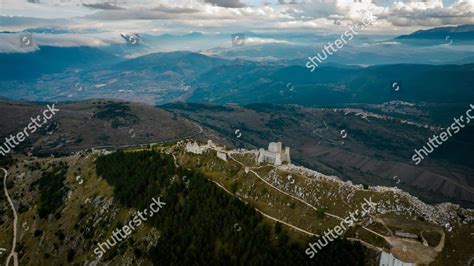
x,y
287,155
275,147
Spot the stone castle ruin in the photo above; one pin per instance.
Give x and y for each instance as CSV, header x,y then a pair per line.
x,y
274,155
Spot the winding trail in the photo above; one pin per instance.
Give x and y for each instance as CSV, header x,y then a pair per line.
x,y
262,213
293,197
301,200
440,245
13,254
266,215
287,224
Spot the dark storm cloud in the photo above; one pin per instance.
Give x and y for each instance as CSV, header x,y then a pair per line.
x,y
103,6
226,3
175,10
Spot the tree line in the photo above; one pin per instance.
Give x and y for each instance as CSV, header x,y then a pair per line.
x,y
201,224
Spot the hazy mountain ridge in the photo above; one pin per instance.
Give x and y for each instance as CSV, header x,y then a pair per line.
x,y
187,64
461,32
165,77
48,59
332,85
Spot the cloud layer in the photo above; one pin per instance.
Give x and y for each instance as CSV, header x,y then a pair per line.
x,y
226,16
220,15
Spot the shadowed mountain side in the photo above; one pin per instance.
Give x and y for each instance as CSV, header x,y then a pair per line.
x,y
183,63
94,123
48,59
373,153
331,85
461,31
185,76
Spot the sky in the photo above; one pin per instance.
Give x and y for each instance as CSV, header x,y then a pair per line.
x,y
108,18
220,15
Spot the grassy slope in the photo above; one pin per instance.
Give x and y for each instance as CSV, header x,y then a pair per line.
x,y
78,214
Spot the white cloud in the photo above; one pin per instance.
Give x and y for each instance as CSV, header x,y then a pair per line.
x,y
252,40
180,16
431,13
10,43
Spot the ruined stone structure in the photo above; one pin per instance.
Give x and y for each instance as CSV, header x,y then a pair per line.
x,y
222,155
387,259
274,155
194,147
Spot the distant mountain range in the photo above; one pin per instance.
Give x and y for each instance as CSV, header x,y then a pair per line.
x,y
245,84
462,32
199,78
47,60
265,73
457,35
297,47
185,63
